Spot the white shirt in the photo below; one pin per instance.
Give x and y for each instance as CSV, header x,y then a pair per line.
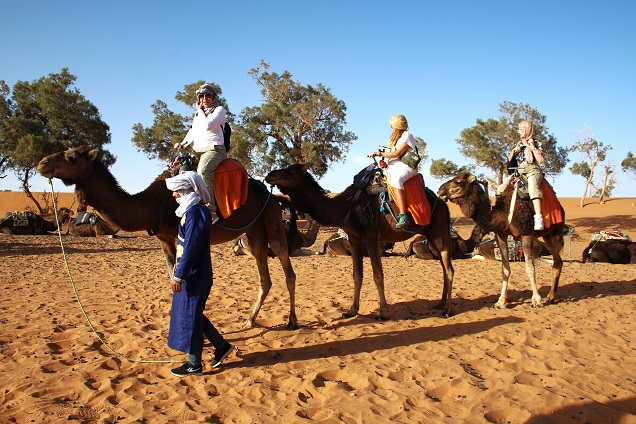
x,y
206,131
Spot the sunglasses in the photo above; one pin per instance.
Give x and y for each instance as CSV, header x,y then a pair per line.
x,y
206,95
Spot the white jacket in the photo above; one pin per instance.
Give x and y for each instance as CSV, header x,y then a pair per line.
x,y
206,131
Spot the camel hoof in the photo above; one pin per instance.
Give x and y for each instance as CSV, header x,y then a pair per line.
x,y
292,326
248,324
382,318
499,306
349,314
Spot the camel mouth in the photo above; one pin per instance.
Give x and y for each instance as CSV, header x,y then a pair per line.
x,y
46,173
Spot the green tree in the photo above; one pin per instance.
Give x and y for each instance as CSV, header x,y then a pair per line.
x,y
5,113
629,164
46,116
595,153
490,141
443,169
168,127
294,124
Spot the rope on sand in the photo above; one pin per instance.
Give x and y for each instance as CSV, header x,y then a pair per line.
x,y
119,355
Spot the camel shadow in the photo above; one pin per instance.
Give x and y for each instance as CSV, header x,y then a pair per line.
x,y
592,412
370,343
27,249
573,292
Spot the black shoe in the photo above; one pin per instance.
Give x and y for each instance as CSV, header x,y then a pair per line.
x,y
221,354
187,369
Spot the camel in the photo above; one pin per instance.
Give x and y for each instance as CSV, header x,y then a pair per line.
x,y
486,249
466,191
460,248
611,251
153,209
29,223
296,239
338,244
95,227
358,214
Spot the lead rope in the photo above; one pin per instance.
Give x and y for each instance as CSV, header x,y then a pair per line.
x,y
119,355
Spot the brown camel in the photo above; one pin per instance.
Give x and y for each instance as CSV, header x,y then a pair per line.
x,y
610,251
460,248
358,214
29,223
466,191
487,249
338,244
153,210
95,227
296,239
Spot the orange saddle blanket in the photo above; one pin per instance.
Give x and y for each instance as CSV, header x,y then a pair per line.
x,y
550,208
418,204
230,186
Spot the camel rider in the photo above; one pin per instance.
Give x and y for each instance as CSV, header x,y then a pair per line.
x,y
529,155
396,171
206,135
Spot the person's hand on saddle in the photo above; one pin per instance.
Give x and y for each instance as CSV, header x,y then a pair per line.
x,y
177,146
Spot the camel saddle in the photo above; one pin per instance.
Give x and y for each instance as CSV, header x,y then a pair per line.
x,y
416,200
20,218
230,186
550,207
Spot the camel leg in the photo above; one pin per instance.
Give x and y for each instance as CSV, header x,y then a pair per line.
x,y
259,247
290,279
356,257
445,258
502,243
527,243
169,253
277,240
373,247
554,241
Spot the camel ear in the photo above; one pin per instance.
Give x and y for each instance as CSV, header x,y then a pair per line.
x,y
304,169
471,179
92,154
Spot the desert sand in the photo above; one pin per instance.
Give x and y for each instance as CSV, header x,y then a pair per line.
x,y
572,361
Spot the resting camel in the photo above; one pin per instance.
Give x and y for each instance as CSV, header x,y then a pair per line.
x,y
94,228
358,214
468,193
487,249
460,248
611,251
338,244
153,210
35,224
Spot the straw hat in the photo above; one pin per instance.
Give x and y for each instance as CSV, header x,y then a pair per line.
x,y
399,122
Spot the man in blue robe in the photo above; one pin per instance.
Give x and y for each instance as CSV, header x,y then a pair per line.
x,y
192,277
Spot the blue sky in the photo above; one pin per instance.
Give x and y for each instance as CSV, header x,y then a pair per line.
x,y
441,64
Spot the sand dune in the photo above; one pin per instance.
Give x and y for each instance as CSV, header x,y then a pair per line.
x,y
574,361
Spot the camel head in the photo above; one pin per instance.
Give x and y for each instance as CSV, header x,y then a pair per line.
x,y
457,187
288,178
70,166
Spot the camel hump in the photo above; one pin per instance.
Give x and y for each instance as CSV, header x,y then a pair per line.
x,y
230,186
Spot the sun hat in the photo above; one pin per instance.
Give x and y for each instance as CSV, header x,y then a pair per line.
x,y
399,122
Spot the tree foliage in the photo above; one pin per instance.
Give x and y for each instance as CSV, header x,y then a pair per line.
x,y
489,142
595,153
443,169
46,116
629,164
294,124
168,127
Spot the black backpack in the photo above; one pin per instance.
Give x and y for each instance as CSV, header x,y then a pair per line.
x,y
227,133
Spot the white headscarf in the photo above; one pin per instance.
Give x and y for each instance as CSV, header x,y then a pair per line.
x,y
191,188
